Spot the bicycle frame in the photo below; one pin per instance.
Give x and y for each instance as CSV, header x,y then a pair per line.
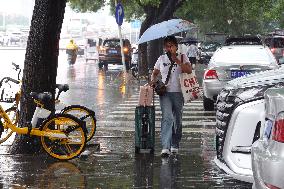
x,y
25,130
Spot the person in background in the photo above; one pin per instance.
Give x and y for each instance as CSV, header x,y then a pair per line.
x,y
71,51
192,53
172,102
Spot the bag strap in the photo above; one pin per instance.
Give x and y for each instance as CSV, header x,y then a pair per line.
x,y
170,69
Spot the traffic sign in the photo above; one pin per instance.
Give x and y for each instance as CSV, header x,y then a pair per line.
x,y
135,24
119,14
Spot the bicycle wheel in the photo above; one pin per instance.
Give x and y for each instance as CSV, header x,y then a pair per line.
x,y
7,132
66,148
84,114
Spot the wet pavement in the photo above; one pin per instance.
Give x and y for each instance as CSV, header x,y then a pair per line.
x,y
114,164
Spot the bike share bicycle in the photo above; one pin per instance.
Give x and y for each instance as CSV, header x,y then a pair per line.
x,y
62,136
55,144
83,113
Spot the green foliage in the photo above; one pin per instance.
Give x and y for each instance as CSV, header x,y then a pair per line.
x,y
87,5
248,16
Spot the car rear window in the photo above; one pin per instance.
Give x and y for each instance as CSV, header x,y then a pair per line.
x,y
111,43
243,55
276,42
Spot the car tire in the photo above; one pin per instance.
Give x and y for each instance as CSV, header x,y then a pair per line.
x,y
101,64
208,104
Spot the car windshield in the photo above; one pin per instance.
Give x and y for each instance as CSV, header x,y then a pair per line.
x,y
111,43
210,46
242,55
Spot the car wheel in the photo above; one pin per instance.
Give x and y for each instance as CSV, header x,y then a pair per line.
x,y
101,65
208,104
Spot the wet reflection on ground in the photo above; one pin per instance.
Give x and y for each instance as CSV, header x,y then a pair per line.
x,y
115,165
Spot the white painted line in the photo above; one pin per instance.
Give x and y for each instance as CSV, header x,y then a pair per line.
x,y
159,112
184,130
157,123
185,108
132,117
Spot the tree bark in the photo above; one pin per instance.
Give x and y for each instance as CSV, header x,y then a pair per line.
x,y
150,51
40,66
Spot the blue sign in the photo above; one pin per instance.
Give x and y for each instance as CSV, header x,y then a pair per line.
x,y
119,14
135,24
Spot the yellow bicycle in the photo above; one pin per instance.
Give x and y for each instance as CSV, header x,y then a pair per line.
x,y
63,136
83,113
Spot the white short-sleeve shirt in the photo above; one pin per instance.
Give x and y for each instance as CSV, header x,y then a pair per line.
x,y
163,64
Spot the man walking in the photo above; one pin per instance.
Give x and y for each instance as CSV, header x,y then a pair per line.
x,y
192,53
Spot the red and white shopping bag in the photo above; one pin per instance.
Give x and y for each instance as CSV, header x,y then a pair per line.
x,y
146,95
190,87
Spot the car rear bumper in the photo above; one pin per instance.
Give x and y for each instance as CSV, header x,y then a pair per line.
x,y
224,167
238,137
113,59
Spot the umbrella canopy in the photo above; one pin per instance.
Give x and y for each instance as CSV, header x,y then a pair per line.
x,y
165,28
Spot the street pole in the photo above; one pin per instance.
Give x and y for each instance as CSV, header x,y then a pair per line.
x,y
121,44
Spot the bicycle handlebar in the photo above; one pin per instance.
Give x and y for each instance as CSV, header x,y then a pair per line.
x,y
61,87
9,79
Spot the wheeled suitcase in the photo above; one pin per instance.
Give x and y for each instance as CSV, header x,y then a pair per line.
x,y
144,129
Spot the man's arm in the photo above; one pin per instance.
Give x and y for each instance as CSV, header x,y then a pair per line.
x,y
185,66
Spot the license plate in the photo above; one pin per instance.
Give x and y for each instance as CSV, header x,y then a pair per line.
x,y
112,51
267,129
239,73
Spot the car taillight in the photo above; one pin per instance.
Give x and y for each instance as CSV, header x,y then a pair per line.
x,y
125,49
278,129
210,74
273,50
271,186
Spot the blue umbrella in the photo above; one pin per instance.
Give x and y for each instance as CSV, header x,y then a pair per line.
x,y
165,28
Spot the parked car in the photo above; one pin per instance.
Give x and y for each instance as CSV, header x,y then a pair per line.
x,y
233,61
268,152
110,53
4,40
15,37
206,51
240,117
92,53
276,45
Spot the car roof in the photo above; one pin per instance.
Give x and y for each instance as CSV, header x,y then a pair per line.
x,y
241,53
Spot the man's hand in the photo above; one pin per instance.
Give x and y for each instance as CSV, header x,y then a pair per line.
x,y
175,59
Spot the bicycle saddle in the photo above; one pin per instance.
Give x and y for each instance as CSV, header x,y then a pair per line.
x,y
62,87
41,97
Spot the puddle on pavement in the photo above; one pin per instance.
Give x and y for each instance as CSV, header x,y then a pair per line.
x,y
117,166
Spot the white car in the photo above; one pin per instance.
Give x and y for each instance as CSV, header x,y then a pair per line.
x,y
240,117
268,152
232,61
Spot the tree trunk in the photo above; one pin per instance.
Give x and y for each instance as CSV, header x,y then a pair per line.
x,y
40,67
150,51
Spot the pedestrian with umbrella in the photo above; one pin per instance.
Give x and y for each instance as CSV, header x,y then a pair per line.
x,y
170,65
